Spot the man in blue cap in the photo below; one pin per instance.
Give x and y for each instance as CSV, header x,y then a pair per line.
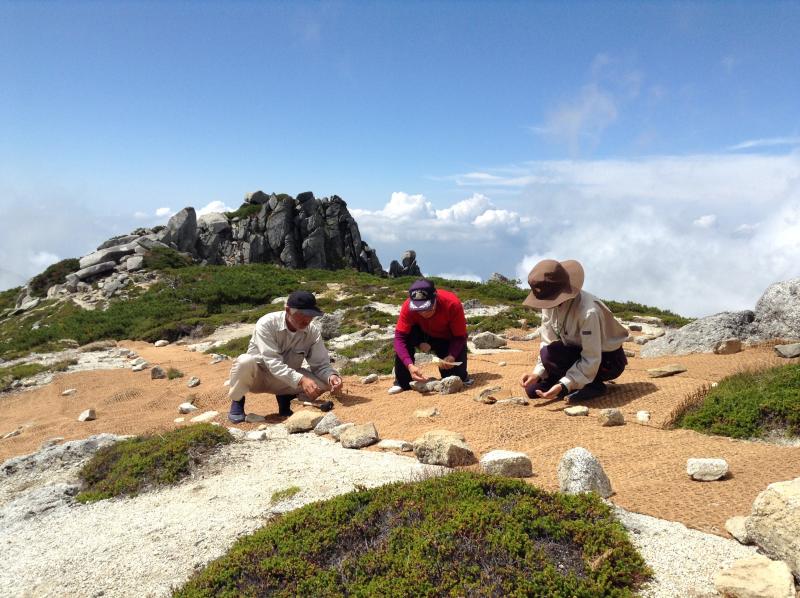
x,y
273,363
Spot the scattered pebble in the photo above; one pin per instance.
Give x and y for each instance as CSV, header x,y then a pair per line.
x,y
161,343
186,408
87,416
429,412
577,410
193,381
369,379
205,417
69,392
642,417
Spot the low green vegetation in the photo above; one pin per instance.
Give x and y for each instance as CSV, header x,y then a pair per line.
x,y
55,274
285,494
245,211
514,317
380,362
173,373
233,348
26,370
462,534
628,309
750,405
164,258
8,298
131,466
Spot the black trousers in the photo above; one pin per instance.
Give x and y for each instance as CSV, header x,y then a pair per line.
x,y
557,358
440,346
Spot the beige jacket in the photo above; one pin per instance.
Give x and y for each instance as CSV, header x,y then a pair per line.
x,y
585,322
282,351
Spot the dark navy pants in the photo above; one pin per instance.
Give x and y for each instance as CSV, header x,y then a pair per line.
x,y
440,346
557,358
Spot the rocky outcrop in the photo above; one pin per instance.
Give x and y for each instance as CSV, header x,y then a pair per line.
x,y
776,316
407,266
305,232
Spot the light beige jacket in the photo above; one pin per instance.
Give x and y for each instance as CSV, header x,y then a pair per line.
x,y
282,351
585,322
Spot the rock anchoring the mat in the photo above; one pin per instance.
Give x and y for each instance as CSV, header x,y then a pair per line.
x,y
443,447
706,470
774,522
580,471
328,422
756,577
488,340
507,463
336,432
611,417
359,436
788,351
666,370
302,421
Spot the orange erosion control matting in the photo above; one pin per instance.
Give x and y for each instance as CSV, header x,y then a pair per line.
x,y
645,463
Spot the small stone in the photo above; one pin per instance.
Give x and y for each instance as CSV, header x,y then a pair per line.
x,y
157,373
450,385
728,346
87,416
302,421
788,351
139,367
580,471
488,396
262,427
736,528
256,435
643,417
161,343
186,408
577,410
359,436
429,412
51,442
635,327
337,432
395,445
502,363
179,420
217,358
443,447
756,577
11,434
666,370
193,381
514,401
237,433
372,378
706,470
507,463
611,417
69,392
328,422
254,418
205,417
629,353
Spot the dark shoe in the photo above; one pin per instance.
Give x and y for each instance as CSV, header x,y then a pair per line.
x,y
590,391
236,412
325,405
284,405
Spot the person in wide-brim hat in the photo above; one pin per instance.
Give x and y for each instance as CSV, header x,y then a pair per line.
x,y
581,346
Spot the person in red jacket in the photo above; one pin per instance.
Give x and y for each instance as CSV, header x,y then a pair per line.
x,y
430,319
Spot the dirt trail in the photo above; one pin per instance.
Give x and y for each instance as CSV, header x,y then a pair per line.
x,y
646,463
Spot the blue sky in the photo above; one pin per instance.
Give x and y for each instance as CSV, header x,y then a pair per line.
x,y
658,143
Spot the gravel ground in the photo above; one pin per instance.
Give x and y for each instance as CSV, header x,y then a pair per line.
x,y
147,545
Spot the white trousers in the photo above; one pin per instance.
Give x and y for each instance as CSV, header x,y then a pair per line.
x,y
249,376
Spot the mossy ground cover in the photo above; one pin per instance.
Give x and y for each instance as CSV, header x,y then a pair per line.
x,y
26,370
750,405
131,466
463,534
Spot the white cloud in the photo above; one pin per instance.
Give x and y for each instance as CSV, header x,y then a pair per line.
x,y
459,276
706,221
466,210
42,259
161,212
767,142
503,219
627,227
214,207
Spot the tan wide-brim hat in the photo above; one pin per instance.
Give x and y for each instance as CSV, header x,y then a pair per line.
x,y
553,282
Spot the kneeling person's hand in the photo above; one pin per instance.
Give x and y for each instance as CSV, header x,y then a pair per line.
x,y
335,383
310,387
447,363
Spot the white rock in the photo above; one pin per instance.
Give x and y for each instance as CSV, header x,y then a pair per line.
x,y
179,420
577,410
139,367
69,391
328,422
193,381
611,417
502,363
256,435
642,417
507,463
774,522
237,433
336,432
736,528
87,416
161,343
580,471
205,417
756,577
186,408
369,379
429,412
443,447
706,470
395,445
358,437
302,421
